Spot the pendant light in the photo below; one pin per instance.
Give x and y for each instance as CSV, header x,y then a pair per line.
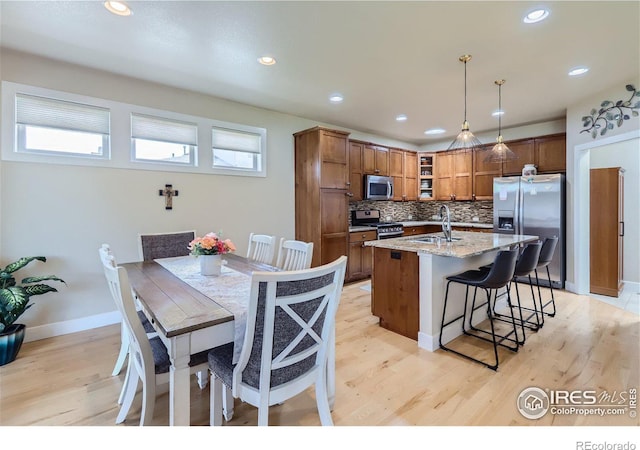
x,y
465,139
500,152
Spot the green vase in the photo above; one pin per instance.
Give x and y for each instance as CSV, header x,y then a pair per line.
x,y
10,342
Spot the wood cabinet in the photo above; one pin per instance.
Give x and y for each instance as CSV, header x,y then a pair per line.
x,y
454,175
426,176
473,229
375,160
484,173
360,256
551,153
606,230
395,293
322,192
403,169
547,153
356,171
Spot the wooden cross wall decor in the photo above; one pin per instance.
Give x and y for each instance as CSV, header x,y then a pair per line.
x,y
168,193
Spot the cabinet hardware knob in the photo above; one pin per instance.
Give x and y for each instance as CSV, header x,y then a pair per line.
x,y
377,171
348,194
348,183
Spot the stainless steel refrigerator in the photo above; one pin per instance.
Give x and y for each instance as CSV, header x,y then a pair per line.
x,y
533,205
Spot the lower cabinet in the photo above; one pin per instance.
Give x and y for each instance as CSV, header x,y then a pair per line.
x,y
360,259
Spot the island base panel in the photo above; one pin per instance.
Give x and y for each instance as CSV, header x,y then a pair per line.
x,y
395,295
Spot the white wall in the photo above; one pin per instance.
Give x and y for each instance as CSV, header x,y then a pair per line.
x,y
65,212
579,147
626,154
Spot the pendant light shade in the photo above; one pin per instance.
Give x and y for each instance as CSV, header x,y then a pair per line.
x,y
465,139
500,152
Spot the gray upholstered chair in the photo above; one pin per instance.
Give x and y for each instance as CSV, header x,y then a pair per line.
x,y
148,358
290,325
164,245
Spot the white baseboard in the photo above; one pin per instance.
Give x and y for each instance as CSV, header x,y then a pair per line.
x,y
71,326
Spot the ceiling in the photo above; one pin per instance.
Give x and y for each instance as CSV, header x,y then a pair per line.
x,y
385,57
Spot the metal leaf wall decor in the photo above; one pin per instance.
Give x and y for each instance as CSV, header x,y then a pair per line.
x,y
611,114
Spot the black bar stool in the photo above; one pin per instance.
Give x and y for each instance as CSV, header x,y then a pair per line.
x,y
497,277
525,266
546,255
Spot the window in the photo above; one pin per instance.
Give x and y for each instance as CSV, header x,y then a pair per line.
x,y
238,150
50,126
163,140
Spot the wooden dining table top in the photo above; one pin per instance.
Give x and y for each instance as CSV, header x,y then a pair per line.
x,y
175,306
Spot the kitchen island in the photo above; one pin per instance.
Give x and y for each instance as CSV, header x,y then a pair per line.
x,y
409,279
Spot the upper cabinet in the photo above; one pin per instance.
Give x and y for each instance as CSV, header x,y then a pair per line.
x,y
334,159
403,169
484,173
547,153
375,160
454,175
551,153
426,184
356,171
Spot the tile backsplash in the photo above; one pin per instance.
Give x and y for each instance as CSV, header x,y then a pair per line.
x,y
400,211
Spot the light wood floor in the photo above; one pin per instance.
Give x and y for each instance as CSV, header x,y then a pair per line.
x,y
382,378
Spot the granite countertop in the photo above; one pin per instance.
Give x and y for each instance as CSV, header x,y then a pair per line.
x,y
470,243
417,223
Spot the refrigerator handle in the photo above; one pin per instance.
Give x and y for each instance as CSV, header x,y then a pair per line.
x,y
621,228
518,228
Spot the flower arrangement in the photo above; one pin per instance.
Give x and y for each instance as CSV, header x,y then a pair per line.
x,y
211,244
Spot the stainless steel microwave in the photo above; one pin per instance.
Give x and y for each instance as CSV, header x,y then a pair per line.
x,y
377,187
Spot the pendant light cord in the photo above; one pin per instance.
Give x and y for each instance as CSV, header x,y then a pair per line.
x,y
500,110
465,91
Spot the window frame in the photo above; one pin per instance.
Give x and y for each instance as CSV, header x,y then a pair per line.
x,y
120,153
244,129
193,149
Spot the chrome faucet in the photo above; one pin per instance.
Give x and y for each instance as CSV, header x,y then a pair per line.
x,y
446,222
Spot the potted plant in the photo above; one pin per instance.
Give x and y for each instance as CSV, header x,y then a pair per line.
x,y
14,300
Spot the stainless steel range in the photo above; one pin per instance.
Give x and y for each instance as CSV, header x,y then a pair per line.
x,y
371,218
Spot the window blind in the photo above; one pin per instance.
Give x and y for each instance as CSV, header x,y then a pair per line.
x,y
164,130
51,113
236,140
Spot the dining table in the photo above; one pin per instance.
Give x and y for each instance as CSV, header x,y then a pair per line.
x,y
192,313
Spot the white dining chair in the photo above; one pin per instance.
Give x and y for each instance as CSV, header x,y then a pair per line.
x,y
152,246
148,358
261,248
294,255
290,324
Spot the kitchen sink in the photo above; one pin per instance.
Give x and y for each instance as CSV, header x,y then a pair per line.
x,y
434,239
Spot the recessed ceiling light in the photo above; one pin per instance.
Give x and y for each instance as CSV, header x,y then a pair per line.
x,y
497,113
267,60
433,131
536,16
578,71
401,118
336,98
118,8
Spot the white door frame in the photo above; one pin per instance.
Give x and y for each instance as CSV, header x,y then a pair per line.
x,y
582,165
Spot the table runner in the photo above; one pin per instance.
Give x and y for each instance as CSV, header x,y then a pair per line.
x,y
230,290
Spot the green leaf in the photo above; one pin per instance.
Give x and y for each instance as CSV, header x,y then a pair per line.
x,y
38,289
630,87
14,298
610,126
620,121
635,113
605,103
43,278
594,133
604,131
19,264
593,112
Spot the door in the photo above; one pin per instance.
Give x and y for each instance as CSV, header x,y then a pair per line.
x,y
505,205
542,198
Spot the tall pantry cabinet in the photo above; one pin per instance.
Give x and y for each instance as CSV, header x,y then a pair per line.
x,y
322,192
606,232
